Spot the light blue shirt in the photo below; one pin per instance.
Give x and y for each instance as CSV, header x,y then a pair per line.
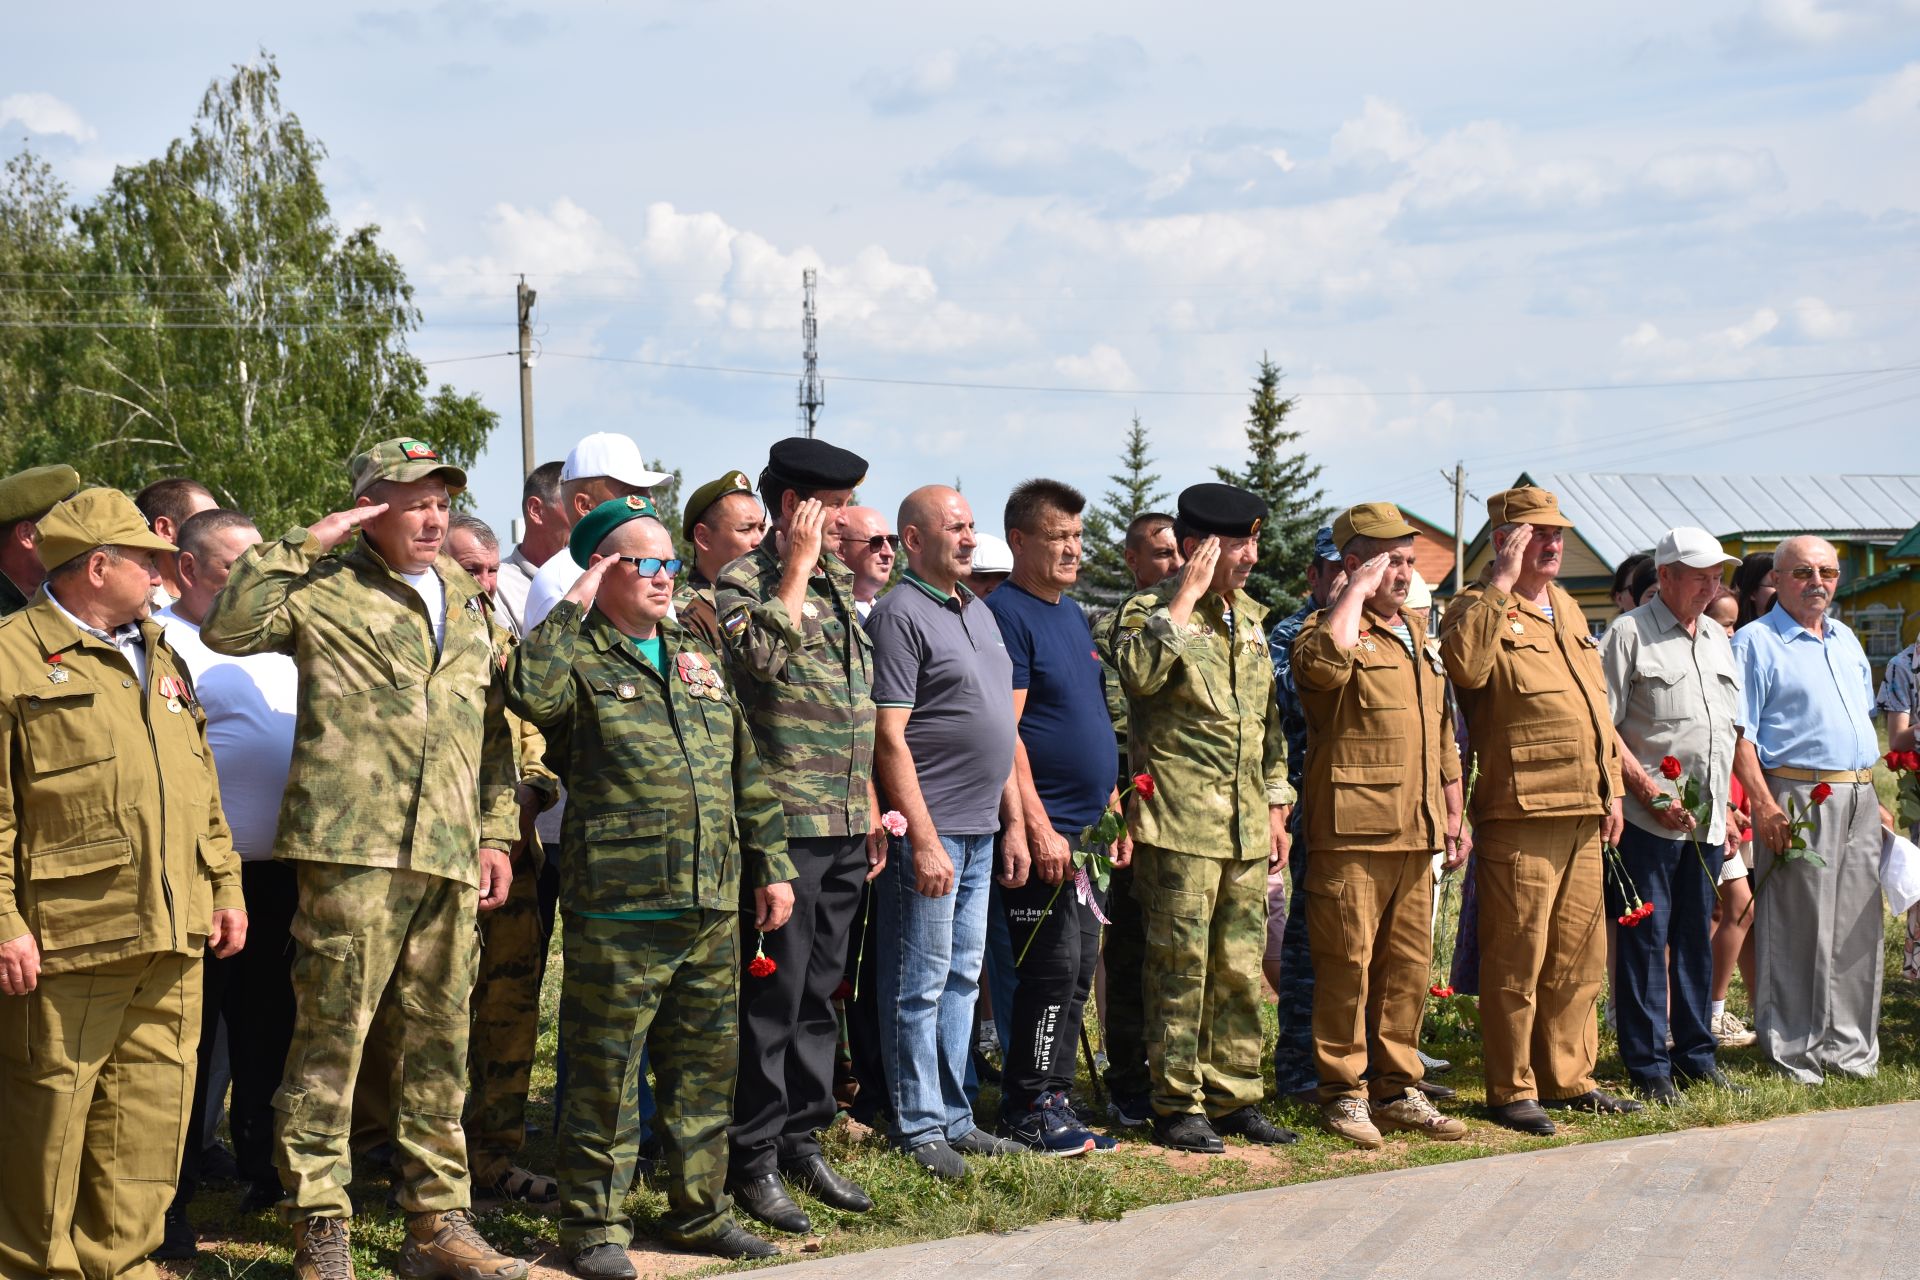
x,y
1806,702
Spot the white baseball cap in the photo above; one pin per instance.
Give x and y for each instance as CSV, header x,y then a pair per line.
x,y
1419,594
991,554
1694,548
608,453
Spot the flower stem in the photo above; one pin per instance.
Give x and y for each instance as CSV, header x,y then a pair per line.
x,y
1042,920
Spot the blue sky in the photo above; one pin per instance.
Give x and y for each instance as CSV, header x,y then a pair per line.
x,y
1406,205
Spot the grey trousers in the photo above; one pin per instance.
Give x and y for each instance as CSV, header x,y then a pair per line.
x,y
1818,939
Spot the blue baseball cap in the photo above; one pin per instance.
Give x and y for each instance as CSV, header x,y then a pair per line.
x,y
1323,548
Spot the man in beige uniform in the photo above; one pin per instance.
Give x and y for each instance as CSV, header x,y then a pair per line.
x,y
1384,774
1527,673
116,868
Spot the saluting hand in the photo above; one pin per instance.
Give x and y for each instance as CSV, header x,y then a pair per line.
x,y
805,532
1512,557
587,586
1367,578
19,966
335,529
1196,579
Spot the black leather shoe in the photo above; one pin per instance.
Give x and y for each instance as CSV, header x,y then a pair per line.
x,y
735,1241
1659,1091
817,1178
1595,1102
1525,1116
1248,1123
765,1198
1187,1133
603,1262
178,1243
1437,1092
1714,1078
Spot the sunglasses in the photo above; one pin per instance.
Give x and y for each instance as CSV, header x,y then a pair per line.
x,y
647,566
877,541
1805,572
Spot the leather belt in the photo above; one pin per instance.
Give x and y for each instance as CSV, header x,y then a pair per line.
x,y
1821,775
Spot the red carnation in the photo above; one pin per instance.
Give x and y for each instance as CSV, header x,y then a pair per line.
x,y
1143,784
762,966
1820,793
1439,992
1670,768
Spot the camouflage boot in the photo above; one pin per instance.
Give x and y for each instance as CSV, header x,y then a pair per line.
x,y
445,1245
320,1250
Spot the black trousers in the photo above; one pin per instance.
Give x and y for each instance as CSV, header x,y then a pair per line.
x,y
788,1032
863,1015
253,990
1056,977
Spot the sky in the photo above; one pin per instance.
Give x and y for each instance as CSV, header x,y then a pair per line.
x,y
1630,237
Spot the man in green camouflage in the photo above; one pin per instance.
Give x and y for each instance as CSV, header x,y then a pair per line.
x,y
723,522
802,668
669,824
25,497
1192,659
398,815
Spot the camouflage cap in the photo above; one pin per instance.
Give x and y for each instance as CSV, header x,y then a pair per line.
x,y
30,494
1526,505
711,492
603,520
404,460
1370,520
94,518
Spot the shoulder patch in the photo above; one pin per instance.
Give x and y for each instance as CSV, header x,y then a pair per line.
x,y
734,623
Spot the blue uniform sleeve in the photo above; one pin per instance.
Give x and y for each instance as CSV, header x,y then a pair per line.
x,y
898,650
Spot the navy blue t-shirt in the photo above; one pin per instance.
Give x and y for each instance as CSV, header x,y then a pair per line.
x,y
1066,729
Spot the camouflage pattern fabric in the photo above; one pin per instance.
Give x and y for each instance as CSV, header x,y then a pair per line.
x,y
1294,1068
1206,924
1105,625
667,805
693,609
506,1025
671,986
1204,723
365,932
1293,716
364,789
807,686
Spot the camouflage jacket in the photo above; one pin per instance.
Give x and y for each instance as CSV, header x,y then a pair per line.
x,y
401,757
806,685
693,608
112,840
1106,629
1204,724
665,795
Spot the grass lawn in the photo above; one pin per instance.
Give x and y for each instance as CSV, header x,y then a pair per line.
x,y
1004,1194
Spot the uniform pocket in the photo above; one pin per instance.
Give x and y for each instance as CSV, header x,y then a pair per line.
x,y
1176,921
200,900
1536,665
626,855
1364,803
85,893
1546,774
1668,695
63,732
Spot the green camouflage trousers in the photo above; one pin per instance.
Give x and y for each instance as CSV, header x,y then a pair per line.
x,y
672,988
365,932
1206,925
506,1026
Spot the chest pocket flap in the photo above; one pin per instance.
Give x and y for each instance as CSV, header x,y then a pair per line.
x,y
1536,664
63,731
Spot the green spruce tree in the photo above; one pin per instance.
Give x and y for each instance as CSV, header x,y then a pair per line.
x,y
1135,488
1287,479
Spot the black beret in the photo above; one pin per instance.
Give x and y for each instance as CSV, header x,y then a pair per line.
x,y
800,462
1223,510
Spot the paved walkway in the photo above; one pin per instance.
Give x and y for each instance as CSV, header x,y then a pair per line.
x,y
1834,1194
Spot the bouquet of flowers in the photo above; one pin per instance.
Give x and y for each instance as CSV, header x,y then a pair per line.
x,y
1093,859
1800,820
1638,908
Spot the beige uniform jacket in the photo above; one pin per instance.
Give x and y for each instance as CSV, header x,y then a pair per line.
x,y
1380,745
1535,700
112,841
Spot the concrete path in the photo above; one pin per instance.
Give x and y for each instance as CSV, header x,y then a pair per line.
x,y
1834,1194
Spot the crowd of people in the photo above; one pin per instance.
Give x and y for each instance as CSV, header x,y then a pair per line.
x,y
287,826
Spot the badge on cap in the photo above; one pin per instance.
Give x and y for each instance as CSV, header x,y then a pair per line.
x,y
636,502
1254,532
418,450
740,481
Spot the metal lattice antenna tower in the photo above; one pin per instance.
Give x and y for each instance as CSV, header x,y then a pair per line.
x,y
813,392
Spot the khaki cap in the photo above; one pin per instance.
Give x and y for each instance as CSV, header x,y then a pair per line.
x,y
404,460
94,518
1370,520
711,492
1526,505
30,494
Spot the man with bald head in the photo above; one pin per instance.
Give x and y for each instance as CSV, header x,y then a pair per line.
x,y
943,756
1806,749
869,549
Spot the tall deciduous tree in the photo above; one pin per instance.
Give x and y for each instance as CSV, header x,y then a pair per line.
x,y
226,327
1135,488
1285,477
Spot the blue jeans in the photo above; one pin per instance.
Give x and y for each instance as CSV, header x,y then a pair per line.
x,y
1671,951
930,953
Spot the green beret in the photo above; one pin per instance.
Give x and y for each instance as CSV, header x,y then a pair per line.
x,y
30,494
603,520
711,492
1224,510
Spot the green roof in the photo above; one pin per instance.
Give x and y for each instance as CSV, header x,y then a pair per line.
x,y
1908,548
1886,577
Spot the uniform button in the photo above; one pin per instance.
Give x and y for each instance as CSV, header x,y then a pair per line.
x,y
126,684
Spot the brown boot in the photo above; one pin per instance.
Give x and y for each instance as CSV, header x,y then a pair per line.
x,y
445,1245
320,1250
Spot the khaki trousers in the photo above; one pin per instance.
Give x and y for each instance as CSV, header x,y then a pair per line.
x,y
1542,955
96,1079
1370,930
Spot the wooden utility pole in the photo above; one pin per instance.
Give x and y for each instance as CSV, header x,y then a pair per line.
x,y
1459,526
524,298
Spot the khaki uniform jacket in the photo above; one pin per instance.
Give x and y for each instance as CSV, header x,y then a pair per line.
x,y
112,842
1535,702
1380,744
401,756
667,806
1203,722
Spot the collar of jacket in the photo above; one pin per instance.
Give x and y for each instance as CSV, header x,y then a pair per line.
x,y
57,634
457,582
605,637
1213,605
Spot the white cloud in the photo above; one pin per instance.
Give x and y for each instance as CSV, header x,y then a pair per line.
x,y
1897,99
1799,24
1815,321
1101,366
1381,132
1710,173
1063,75
1755,327
44,113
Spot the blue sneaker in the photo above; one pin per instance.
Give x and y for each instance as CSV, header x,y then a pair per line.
x,y
1050,1129
1101,1142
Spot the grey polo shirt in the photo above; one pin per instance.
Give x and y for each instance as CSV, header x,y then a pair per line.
x,y
1674,694
942,656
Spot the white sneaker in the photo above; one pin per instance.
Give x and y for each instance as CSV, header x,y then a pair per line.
x,y
1731,1032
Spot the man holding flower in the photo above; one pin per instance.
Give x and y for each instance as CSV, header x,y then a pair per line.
x,y
1674,688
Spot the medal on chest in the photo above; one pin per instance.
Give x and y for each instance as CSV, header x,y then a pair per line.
x,y
626,690
809,609
56,674
174,690
698,673
1513,622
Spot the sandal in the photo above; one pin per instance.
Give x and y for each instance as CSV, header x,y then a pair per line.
x,y
526,1187
1594,1101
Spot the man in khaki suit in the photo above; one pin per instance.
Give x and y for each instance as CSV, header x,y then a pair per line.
x,y
116,868
1527,672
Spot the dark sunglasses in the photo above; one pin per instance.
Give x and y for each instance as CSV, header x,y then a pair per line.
x,y
877,541
650,565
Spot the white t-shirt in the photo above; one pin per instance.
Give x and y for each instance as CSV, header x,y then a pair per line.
x,y
510,589
555,578
250,704
434,593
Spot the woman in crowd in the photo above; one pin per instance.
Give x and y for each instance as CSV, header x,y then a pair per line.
x,y
1753,587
